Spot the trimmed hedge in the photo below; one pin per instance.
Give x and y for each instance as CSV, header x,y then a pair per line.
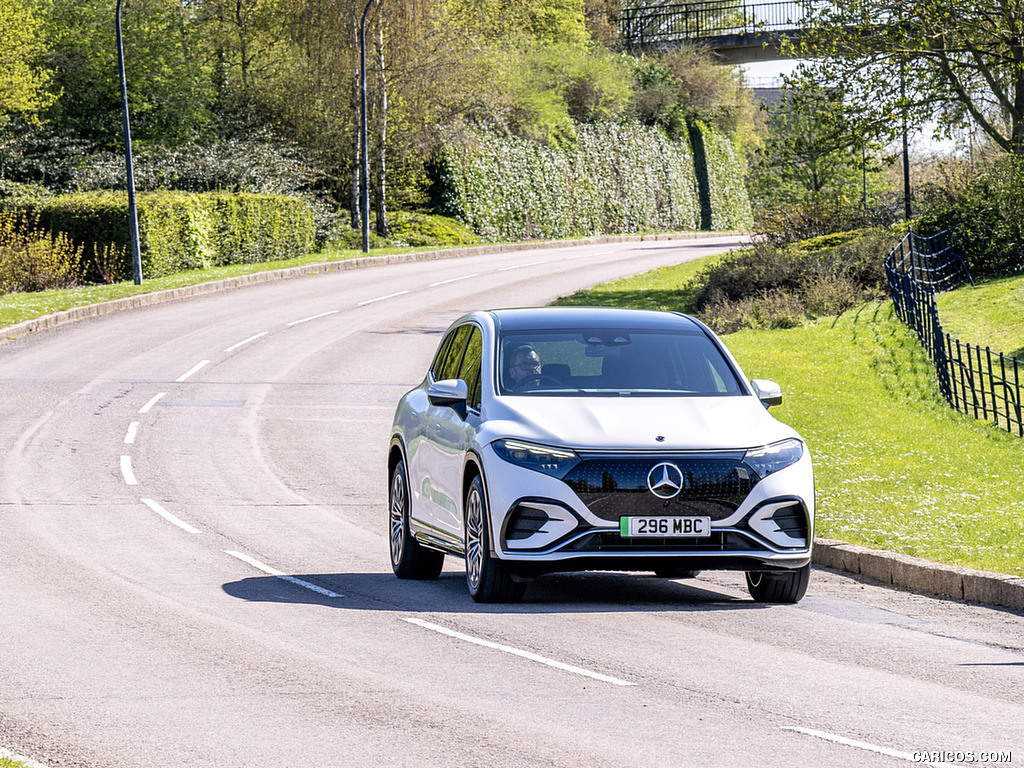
x,y
177,230
614,179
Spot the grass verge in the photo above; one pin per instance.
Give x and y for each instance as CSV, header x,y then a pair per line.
x,y
895,467
989,314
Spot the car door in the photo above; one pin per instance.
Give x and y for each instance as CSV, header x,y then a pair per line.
x,y
452,436
428,456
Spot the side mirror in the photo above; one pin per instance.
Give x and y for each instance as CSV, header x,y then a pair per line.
x,y
768,392
449,392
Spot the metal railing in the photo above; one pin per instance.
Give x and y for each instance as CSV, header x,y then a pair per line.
x,y
648,26
975,381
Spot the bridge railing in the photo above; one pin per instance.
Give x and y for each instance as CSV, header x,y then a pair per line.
x,y
653,25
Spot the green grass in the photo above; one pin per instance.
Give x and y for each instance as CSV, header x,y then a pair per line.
x,y
895,467
8,763
990,314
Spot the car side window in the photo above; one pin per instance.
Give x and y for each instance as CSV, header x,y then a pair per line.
x,y
472,365
447,365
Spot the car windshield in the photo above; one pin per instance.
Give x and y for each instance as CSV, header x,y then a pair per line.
x,y
603,362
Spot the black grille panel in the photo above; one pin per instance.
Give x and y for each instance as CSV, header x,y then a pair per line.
x,y
615,487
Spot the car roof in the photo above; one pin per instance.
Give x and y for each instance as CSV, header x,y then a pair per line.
x,y
556,318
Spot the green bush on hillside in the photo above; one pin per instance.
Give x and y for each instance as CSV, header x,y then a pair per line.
x,y
771,287
177,230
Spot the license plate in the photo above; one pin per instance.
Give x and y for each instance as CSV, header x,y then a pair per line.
x,y
660,527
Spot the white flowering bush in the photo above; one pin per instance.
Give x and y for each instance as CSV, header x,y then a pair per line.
x,y
615,178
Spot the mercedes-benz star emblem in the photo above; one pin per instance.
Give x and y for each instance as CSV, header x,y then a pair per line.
x,y
665,480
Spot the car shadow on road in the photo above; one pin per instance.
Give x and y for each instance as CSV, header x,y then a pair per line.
x,y
556,593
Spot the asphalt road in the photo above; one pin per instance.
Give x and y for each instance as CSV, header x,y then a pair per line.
x,y
194,570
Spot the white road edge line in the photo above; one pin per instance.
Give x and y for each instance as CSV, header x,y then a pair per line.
x,y
133,430
153,401
193,370
169,517
126,470
284,577
861,745
381,298
233,347
453,280
314,317
517,652
522,266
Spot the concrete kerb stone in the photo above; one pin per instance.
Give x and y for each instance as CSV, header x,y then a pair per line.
x,y
918,575
28,327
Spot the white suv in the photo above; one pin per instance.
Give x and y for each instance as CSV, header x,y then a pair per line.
x,y
568,439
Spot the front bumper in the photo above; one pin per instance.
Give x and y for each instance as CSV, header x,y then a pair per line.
x,y
541,524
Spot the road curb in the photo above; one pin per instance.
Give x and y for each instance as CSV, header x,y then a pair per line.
x,y
28,327
918,575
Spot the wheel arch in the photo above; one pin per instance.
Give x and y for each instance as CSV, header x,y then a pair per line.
x,y
396,453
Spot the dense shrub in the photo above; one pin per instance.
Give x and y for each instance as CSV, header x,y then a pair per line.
x,y
983,207
177,230
33,260
794,222
262,164
771,287
425,230
614,179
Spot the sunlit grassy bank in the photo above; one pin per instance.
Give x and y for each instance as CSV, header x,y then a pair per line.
x,y
990,314
895,467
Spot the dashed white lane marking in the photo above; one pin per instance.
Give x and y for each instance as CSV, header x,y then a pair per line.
x,y
169,517
381,298
453,280
517,652
522,266
193,370
314,317
284,577
153,401
861,745
133,430
251,339
126,470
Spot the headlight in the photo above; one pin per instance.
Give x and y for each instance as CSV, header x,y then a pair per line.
x,y
771,458
551,461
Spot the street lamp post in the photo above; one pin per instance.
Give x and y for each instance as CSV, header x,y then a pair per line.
x,y
364,170
133,219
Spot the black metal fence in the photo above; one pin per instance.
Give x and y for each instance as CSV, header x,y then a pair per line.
x,y
646,26
975,381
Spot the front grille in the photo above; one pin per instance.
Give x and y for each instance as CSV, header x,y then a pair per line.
x,y
614,487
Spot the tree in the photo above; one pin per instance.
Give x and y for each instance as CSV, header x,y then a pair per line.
x,y
22,80
962,63
811,150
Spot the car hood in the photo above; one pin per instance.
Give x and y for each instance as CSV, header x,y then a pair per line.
x,y
635,423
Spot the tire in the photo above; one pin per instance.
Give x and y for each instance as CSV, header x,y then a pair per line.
x,y
778,587
488,581
409,558
675,572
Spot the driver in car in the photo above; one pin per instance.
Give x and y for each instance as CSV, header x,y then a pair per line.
x,y
525,364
